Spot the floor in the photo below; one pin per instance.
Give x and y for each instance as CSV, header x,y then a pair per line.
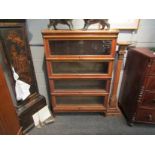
x,y
92,124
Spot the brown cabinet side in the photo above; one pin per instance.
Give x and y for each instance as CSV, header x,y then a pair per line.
x,y
9,124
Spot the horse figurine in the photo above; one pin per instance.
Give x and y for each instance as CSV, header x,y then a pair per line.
x,y
103,22
55,22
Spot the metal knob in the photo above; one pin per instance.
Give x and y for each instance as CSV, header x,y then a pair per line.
x,y
149,117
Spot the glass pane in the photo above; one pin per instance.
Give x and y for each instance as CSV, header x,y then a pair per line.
x,y
79,100
80,84
80,67
80,47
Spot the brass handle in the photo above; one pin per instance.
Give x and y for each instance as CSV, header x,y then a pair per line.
x,y
153,101
149,117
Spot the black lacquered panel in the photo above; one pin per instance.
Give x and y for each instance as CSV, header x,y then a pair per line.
x,y
80,67
18,55
80,47
82,100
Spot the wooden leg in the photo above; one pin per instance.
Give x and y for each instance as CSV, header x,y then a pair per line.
x,y
131,124
104,114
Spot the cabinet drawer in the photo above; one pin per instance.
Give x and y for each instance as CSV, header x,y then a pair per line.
x,y
152,69
146,116
150,83
148,99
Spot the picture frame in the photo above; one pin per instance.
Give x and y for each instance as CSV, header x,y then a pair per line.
x,y
124,24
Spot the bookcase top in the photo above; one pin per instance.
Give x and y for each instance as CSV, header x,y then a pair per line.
x,y
79,34
48,31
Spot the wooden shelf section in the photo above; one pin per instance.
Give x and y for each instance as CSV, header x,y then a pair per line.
x,y
80,58
79,92
79,108
79,76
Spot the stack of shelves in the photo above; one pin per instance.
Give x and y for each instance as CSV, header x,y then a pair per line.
x,y
79,66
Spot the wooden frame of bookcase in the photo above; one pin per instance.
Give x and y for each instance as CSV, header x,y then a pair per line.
x,y
49,35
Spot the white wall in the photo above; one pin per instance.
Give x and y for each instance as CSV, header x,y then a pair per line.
x,y
144,37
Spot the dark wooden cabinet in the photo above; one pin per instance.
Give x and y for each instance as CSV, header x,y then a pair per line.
x,y
137,95
16,53
80,65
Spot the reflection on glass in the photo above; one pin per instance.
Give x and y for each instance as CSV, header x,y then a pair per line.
x,y
80,84
80,67
80,100
80,47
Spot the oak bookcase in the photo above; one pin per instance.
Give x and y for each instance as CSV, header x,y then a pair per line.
x,y
79,66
